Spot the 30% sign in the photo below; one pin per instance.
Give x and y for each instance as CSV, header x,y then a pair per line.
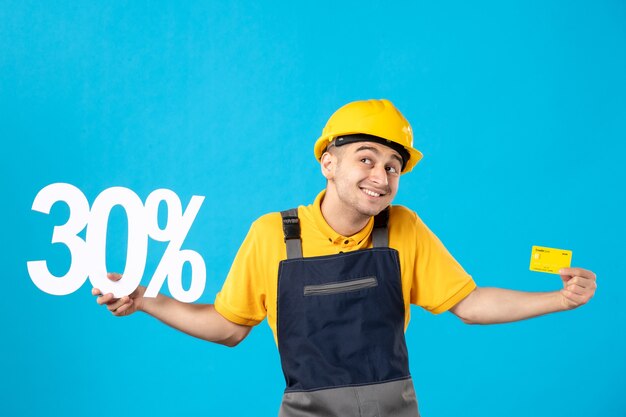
x,y
89,255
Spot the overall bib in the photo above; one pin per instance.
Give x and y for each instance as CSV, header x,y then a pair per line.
x,y
341,330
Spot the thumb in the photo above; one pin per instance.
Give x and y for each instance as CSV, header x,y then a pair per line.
x,y
564,275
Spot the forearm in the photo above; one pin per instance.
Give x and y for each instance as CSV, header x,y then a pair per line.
x,y
198,320
497,305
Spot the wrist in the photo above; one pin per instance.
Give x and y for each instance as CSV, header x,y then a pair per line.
x,y
139,299
560,301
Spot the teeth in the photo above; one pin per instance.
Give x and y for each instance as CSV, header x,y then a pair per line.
x,y
371,193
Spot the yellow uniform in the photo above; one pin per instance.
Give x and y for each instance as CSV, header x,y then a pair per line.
x,y
431,277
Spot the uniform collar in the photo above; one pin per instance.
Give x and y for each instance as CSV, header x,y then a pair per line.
x,y
331,234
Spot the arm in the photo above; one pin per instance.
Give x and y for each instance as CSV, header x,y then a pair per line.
x,y
496,305
198,320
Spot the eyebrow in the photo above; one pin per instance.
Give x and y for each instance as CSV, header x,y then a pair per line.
x,y
377,152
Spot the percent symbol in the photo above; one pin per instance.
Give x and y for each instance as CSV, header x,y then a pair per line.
x,y
175,232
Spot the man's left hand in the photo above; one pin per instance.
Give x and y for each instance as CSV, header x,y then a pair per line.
x,y
579,285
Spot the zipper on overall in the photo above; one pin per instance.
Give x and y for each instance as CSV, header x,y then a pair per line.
x,y
340,287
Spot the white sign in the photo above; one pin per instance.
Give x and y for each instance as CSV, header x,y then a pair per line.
x,y
89,255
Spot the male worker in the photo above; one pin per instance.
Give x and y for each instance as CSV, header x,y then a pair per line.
x,y
335,279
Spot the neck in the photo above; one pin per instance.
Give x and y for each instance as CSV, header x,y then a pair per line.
x,y
343,221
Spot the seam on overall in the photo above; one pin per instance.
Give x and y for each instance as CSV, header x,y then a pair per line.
x,y
345,254
358,400
351,385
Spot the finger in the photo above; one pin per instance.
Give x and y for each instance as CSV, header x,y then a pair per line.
x,y
121,309
573,272
114,276
117,303
582,282
578,290
105,299
578,284
96,291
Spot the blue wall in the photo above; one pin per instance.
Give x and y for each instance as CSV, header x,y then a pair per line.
x,y
519,108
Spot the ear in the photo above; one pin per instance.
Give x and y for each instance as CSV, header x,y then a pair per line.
x,y
328,162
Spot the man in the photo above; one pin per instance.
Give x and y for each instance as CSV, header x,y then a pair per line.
x,y
335,279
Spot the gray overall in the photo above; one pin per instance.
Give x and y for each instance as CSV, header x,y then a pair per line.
x,y
340,330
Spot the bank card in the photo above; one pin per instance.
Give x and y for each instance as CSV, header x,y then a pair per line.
x,y
549,260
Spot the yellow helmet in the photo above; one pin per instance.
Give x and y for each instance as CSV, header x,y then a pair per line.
x,y
375,118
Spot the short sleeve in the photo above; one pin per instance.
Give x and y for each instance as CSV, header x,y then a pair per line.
x,y
242,298
431,277
438,282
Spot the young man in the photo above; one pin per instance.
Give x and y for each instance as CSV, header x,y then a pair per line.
x,y
335,279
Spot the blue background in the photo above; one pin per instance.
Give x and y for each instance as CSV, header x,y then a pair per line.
x,y
519,108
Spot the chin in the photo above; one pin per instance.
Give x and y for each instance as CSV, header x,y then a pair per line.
x,y
371,211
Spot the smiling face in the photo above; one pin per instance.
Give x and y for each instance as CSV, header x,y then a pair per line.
x,y
363,179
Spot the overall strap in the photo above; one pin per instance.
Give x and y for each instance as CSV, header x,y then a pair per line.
x,y
380,233
291,229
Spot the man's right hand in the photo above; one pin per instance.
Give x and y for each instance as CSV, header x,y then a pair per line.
x,y
123,306
198,320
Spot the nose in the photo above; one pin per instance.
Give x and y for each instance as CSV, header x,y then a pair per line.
x,y
378,175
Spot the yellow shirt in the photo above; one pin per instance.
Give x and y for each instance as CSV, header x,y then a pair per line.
x,y
431,277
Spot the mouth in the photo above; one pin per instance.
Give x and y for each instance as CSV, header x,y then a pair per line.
x,y
372,193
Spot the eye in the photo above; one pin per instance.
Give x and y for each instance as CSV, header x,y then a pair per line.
x,y
366,160
392,170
